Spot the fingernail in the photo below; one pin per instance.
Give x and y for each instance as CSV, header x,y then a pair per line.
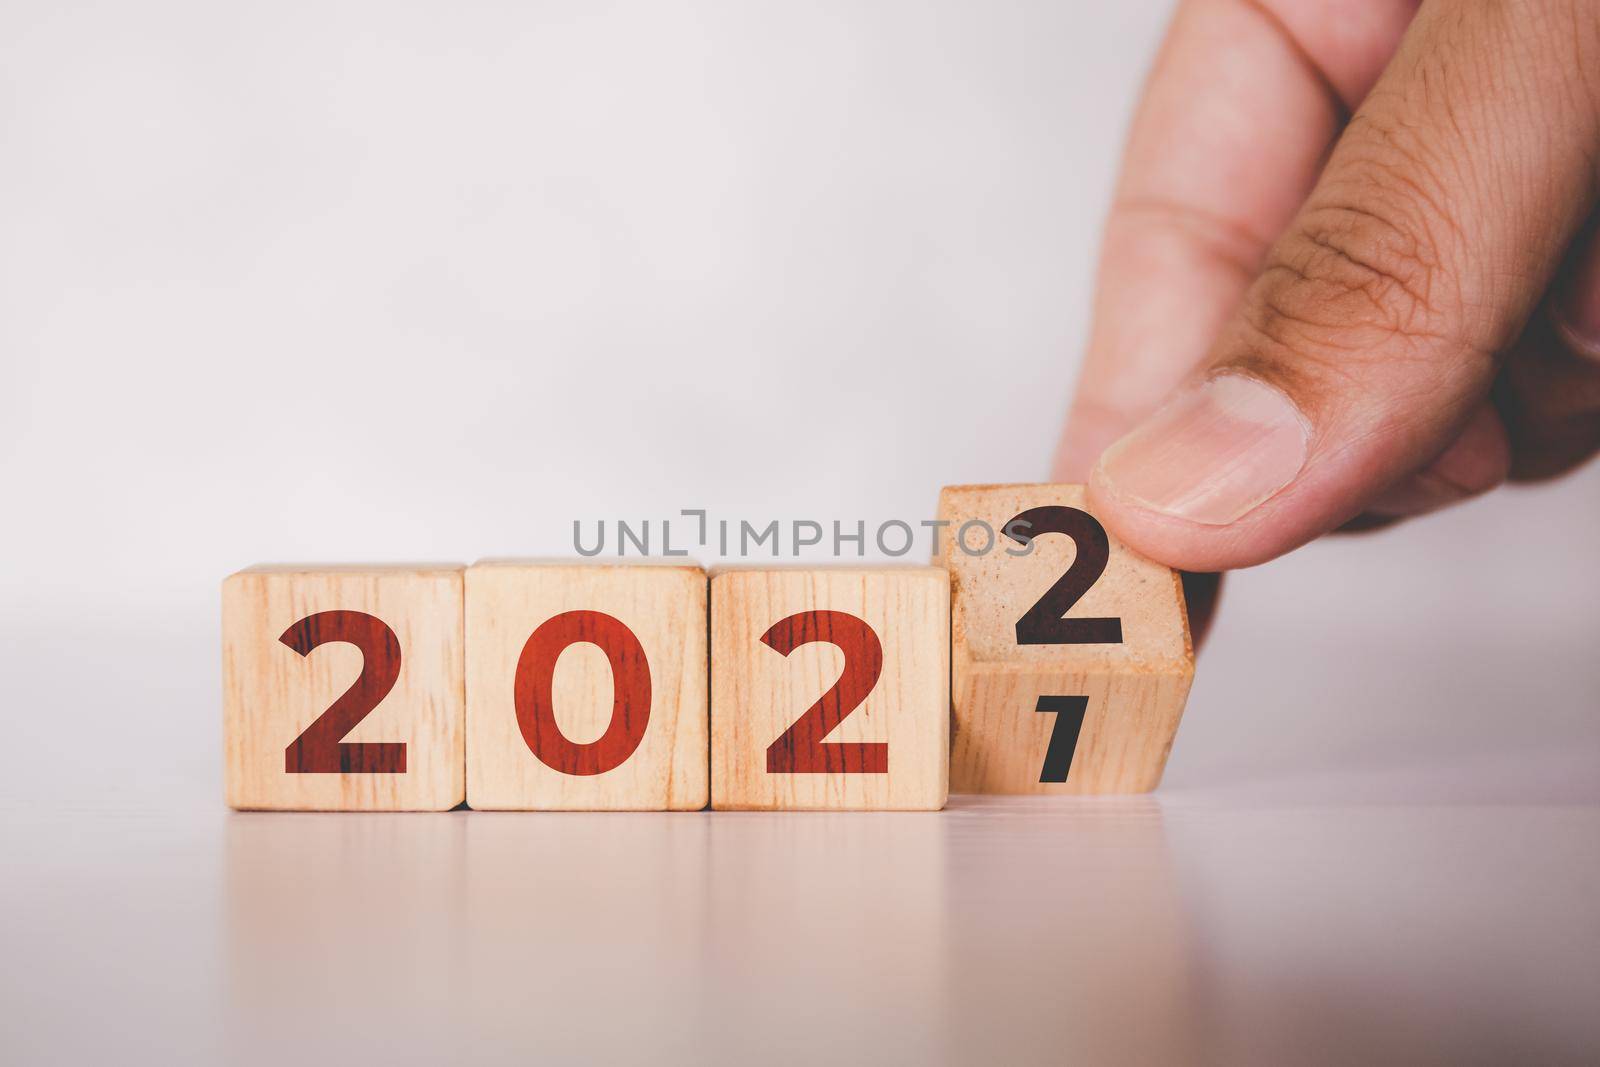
x,y
1213,453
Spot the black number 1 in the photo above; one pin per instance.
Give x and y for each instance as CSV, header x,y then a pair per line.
x,y
1064,738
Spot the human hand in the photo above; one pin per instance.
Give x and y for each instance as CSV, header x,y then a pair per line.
x,y
1351,274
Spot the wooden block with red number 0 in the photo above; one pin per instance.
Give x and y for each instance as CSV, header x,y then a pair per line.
x,y
586,686
342,688
830,688
1071,653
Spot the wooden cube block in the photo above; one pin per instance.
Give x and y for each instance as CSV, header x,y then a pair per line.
x,y
342,688
830,688
1071,654
586,686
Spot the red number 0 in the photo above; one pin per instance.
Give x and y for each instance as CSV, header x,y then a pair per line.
x,y
801,749
534,692
320,750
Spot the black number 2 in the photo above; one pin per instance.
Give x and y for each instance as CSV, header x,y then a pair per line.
x,y
1043,624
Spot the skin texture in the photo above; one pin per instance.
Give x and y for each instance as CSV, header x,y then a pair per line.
x,y
1351,274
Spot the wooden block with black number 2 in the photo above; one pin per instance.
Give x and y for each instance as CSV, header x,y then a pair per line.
x,y
1071,657
830,688
343,688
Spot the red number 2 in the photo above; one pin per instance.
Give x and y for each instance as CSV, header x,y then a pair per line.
x,y
321,749
801,749
533,691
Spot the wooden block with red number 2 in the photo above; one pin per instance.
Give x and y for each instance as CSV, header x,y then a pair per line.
x,y
586,686
1071,653
342,688
830,688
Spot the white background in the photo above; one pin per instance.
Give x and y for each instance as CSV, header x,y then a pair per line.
x,y
401,280
388,281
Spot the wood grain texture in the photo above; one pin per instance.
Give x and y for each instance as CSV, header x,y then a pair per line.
x,y
292,648
1136,687
611,686
759,692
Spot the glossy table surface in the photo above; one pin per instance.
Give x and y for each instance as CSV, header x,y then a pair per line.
x,y
1194,926
1378,842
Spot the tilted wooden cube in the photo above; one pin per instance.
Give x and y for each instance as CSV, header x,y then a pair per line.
x,y
586,686
342,688
830,688
1071,654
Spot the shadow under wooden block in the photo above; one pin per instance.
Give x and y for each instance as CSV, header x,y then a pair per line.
x,y
830,688
1071,657
586,686
342,688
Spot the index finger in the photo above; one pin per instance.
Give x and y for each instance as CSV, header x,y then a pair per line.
x,y
1237,117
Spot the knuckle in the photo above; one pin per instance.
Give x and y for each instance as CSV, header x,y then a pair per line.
x,y
1355,267
1367,258
1364,273
1164,231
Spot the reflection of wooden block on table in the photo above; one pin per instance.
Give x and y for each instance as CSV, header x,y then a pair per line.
x,y
342,688
1072,662
586,686
830,688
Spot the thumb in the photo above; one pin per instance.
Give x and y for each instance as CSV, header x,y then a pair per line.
x,y
1363,354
